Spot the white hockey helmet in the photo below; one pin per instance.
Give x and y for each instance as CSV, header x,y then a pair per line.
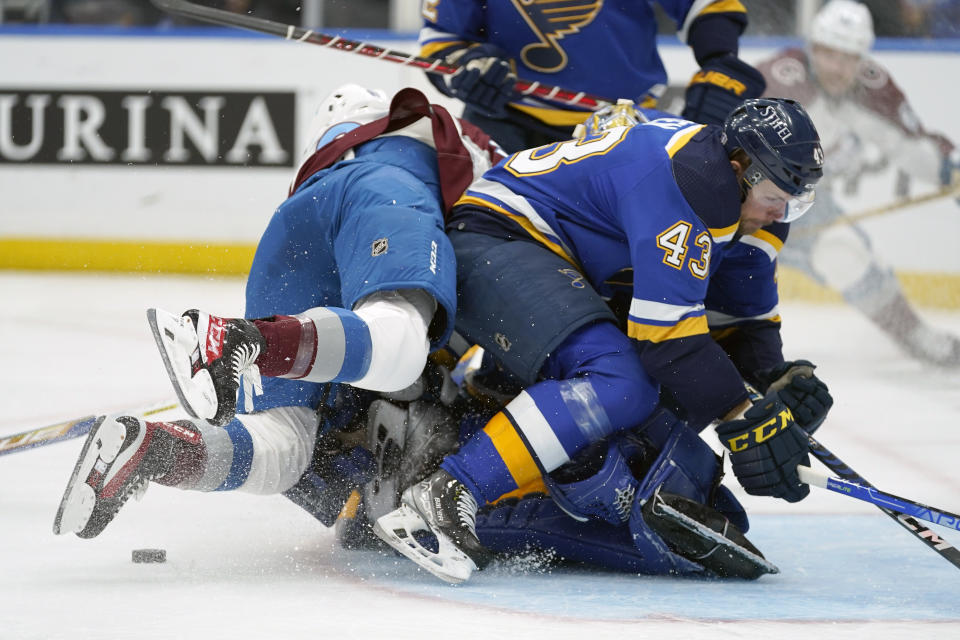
x,y
346,108
844,25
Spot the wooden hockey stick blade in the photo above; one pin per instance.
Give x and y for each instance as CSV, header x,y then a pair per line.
x,y
926,535
299,34
852,218
67,430
880,498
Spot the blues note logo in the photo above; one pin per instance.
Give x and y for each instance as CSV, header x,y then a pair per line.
x,y
551,21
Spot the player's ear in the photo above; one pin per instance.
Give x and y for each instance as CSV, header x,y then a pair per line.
x,y
739,161
738,168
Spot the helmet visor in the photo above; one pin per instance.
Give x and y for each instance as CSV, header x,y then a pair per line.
x,y
799,204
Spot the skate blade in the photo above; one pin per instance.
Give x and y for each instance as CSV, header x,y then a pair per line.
x,y
79,498
449,563
176,341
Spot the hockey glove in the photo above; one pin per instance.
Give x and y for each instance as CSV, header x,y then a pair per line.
x,y
719,87
765,448
484,81
806,395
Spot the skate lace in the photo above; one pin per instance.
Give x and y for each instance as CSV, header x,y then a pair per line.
x,y
467,509
242,364
243,358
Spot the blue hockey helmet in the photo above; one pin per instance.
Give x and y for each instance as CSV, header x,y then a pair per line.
x,y
783,146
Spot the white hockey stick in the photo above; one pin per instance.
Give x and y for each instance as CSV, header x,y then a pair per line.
x,y
69,429
944,192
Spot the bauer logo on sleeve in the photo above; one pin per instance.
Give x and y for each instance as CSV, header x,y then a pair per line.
x,y
219,128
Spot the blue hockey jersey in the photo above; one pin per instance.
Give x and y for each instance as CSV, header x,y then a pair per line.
x,y
604,47
652,210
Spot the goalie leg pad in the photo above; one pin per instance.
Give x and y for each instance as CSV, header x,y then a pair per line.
x,y
686,466
535,524
606,494
703,535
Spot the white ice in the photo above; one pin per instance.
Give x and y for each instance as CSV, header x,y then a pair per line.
x,y
243,566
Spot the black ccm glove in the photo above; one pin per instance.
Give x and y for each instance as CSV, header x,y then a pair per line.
x,y
719,87
806,395
765,448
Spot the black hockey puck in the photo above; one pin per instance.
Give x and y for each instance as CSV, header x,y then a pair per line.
x,y
149,555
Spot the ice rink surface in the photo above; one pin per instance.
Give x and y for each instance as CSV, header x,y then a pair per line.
x,y
241,566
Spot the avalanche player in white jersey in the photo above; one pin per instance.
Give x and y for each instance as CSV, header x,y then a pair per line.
x,y
689,219
862,116
353,282
606,48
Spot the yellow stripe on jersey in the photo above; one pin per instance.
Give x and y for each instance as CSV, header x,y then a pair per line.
x,y
680,138
523,222
565,117
724,6
553,117
512,450
657,333
724,234
427,50
769,238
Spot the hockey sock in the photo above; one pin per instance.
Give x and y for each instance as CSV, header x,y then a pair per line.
x,y
292,343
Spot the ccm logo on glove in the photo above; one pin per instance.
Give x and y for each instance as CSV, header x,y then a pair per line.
x,y
761,433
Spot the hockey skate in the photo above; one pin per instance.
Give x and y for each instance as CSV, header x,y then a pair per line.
x,y
705,536
121,455
932,346
441,505
205,357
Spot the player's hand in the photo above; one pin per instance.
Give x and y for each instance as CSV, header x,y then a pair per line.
x,y
719,87
806,395
765,448
485,79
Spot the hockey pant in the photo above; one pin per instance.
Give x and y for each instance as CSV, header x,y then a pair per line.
x,y
596,387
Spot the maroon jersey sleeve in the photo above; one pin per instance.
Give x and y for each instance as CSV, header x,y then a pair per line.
x,y
788,76
876,91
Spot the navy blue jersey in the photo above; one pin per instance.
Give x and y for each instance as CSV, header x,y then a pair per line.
x,y
603,47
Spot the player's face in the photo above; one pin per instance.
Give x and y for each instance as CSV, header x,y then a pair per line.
x,y
836,70
766,203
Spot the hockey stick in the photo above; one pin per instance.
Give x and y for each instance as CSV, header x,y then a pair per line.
x,y
66,430
950,553
879,498
289,32
943,192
